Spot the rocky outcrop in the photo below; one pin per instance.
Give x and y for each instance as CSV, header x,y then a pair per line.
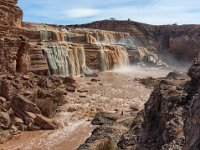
x,y
192,122
13,47
193,71
11,15
164,116
170,119
192,125
111,127
162,125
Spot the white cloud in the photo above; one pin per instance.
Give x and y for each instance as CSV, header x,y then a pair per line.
x,y
81,12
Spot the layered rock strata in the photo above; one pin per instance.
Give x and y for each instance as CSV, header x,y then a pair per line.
x,y
179,43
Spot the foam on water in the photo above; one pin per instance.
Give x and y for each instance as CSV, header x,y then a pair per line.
x,y
48,139
138,71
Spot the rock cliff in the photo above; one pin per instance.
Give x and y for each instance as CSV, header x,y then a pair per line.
x,y
170,118
23,97
180,42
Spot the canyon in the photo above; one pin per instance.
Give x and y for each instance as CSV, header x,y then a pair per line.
x,y
110,82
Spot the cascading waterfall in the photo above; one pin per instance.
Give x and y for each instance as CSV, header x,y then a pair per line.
x,y
48,33
113,56
64,60
123,57
103,59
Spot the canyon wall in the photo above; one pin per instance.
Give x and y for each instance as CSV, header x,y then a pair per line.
x,y
180,42
104,45
11,15
10,44
27,102
170,117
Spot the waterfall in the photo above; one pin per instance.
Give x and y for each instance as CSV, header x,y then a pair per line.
x,y
112,56
108,38
64,60
67,59
48,33
103,59
123,55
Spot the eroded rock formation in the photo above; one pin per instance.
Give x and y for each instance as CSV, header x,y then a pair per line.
x,y
71,52
180,42
23,97
170,119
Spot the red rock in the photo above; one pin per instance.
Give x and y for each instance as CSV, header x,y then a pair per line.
x,y
4,120
2,100
5,136
138,106
21,103
44,123
18,121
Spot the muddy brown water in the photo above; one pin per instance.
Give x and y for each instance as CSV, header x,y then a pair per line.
x,y
114,90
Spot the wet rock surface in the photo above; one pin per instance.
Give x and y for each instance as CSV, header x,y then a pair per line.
x,y
112,126
192,124
179,41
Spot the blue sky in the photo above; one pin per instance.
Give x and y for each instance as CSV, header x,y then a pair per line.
x,y
84,11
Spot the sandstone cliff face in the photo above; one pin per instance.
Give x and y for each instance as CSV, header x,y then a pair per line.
x,y
11,15
10,45
179,41
163,118
23,97
192,122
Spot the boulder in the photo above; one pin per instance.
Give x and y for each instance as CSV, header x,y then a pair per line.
x,y
21,103
18,121
2,100
44,122
194,70
2,103
4,120
5,136
47,106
